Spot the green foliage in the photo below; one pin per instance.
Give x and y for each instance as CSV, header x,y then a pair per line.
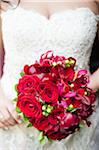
x,y
18,110
26,119
42,139
81,125
29,125
16,88
22,74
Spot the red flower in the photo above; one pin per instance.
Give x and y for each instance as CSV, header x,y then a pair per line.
x,y
54,96
51,122
66,73
37,69
29,70
59,122
27,83
69,125
69,120
41,123
46,58
58,135
63,88
48,92
54,120
29,106
82,78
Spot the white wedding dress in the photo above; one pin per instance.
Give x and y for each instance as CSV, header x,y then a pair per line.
x,y
26,35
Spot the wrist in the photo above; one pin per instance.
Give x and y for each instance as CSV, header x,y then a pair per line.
x,y
93,84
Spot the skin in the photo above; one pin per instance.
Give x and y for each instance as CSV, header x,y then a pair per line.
x,y
45,8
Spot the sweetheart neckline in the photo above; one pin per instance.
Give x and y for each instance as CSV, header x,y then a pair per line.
x,y
55,13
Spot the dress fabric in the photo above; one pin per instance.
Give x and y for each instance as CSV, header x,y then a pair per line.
x,y
26,35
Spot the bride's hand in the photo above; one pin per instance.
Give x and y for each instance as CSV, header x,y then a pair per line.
x,y
8,115
94,80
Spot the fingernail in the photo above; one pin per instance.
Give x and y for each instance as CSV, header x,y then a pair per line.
x,y
20,121
6,128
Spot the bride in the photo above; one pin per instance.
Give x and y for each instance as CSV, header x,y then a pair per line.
x,y
27,31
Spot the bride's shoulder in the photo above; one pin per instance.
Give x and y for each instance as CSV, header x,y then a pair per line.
x,y
97,6
97,1
94,6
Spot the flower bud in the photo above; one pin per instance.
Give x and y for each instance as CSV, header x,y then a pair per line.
x,y
71,62
48,110
85,92
45,113
54,64
67,61
72,85
70,106
44,107
59,63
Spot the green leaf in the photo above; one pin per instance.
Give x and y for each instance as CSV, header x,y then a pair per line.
x,y
67,65
22,74
14,100
18,110
16,87
50,140
43,141
26,119
70,107
40,137
29,125
73,110
81,125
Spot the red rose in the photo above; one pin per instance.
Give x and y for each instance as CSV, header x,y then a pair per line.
x,y
28,82
41,123
29,106
48,92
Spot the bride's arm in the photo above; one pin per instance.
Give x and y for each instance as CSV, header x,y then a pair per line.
x,y
94,78
8,115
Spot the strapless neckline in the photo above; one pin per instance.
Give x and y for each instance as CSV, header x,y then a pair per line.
x,y
69,10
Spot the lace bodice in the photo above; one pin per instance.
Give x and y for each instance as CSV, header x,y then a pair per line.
x,y
28,34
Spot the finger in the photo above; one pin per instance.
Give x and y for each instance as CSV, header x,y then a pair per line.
x,y
14,114
7,119
2,126
12,121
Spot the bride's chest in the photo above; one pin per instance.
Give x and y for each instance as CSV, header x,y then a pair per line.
x,y
68,29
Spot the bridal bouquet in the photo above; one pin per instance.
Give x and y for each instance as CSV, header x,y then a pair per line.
x,y
53,96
